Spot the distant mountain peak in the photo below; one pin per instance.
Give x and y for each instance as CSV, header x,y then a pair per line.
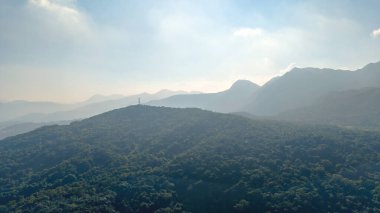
x,y
99,98
163,91
166,93
243,84
372,67
309,69
95,97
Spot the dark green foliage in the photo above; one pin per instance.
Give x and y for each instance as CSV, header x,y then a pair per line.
x,y
150,159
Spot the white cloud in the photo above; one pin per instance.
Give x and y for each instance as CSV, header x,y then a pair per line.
x,y
55,7
376,33
63,14
248,32
143,45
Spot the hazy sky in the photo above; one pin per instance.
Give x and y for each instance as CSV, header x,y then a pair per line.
x,y
68,50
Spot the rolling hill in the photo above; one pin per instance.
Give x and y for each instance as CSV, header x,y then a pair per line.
x,y
157,159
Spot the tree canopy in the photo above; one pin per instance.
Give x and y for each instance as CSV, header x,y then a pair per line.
x,y
157,159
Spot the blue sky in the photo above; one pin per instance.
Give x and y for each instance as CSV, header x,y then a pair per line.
x,y
68,50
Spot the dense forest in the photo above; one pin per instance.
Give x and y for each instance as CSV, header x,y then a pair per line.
x,y
157,159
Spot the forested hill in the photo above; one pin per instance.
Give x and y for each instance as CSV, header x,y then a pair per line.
x,y
156,159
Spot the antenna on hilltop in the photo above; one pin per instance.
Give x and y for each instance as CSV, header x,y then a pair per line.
x,y
139,101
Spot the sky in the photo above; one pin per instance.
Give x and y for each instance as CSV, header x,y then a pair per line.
x,y
69,50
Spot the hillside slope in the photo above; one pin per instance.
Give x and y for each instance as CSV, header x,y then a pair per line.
x,y
357,108
156,159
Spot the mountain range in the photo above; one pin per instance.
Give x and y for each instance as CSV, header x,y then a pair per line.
x,y
302,87
91,108
309,95
231,100
22,116
29,111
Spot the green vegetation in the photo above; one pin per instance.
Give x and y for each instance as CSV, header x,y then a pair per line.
x,y
156,159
